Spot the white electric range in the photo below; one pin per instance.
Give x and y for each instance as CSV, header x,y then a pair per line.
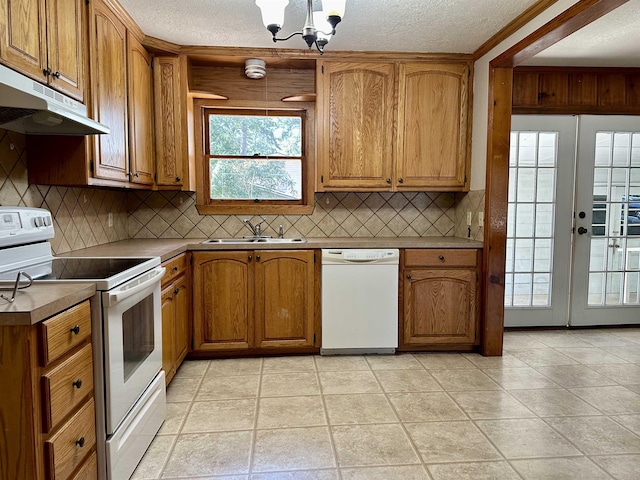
x,y
126,333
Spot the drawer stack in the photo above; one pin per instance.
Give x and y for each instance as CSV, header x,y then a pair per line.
x,y
47,409
68,409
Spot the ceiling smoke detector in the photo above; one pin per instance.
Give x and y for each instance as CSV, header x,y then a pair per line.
x,y
255,68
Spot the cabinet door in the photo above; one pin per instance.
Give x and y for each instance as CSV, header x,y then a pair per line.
x,y
181,293
167,299
356,104
170,133
65,34
109,92
141,125
439,307
432,126
284,299
23,43
223,300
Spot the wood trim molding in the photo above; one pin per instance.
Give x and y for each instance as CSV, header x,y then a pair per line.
x,y
158,46
571,20
520,21
497,175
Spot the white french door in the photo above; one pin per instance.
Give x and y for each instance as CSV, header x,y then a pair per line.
x,y
607,240
541,170
573,229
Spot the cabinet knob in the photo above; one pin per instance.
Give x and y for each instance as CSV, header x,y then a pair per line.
x,y
46,71
178,179
400,180
441,257
80,442
250,257
257,258
176,291
56,75
75,330
409,277
77,383
388,180
175,269
136,175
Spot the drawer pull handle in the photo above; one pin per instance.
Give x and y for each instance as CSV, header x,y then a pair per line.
x,y
388,180
77,383
400,180
409,277
80,442
441,257
175,269
75,330
176,291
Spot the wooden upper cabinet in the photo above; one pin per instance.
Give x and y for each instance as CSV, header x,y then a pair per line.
x,y
65,33
432,126
171,131
108,60
141,125
223,300
23,44
356,125
44,40
284,298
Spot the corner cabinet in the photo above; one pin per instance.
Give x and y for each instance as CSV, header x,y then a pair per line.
x,y
176,301
393,126
255,301
440,303
45,40
121,97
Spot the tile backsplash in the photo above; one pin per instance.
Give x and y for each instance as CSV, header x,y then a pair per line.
x,y
173,214
80,215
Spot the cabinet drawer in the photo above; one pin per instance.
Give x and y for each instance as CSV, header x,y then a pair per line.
x,y
66,330
66,386
451,257
175,267
88,471
73,442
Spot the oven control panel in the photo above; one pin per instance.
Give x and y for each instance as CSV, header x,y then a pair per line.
x,y
20,225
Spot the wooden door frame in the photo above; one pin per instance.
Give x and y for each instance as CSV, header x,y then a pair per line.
x,y
497,170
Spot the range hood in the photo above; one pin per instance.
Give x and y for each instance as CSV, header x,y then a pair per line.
x,y
29,107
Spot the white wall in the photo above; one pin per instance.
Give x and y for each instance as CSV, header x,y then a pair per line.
x,y
481,91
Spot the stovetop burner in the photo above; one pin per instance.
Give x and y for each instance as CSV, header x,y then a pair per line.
x,y
89,268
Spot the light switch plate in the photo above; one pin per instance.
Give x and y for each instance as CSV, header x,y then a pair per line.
x,y
469,219
481,219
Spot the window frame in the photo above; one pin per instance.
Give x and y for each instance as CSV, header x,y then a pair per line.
x,y
206,205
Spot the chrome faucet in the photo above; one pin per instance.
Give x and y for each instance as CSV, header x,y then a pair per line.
x,y
255,229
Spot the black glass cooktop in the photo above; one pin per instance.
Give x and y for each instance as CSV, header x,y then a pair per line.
x,y
90,268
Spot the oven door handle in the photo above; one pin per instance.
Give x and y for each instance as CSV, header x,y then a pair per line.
x,y
126,291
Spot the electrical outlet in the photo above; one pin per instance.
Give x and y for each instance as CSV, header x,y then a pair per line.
x,y
481,219
110,219
469,216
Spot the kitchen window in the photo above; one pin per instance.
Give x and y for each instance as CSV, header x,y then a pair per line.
x,y
253,160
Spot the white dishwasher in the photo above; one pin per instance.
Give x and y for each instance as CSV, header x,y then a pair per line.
x,y
359,301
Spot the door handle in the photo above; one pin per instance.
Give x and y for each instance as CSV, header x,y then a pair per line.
x,y
582,231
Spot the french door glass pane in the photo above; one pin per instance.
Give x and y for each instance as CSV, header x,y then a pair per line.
x,y
615,253
530,222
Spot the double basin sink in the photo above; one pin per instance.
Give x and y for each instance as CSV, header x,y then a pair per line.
x,y
252,240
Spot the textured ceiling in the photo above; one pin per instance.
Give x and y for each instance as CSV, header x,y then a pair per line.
x,y
610,41
454,26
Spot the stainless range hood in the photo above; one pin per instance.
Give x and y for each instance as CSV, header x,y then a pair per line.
x,y
29,107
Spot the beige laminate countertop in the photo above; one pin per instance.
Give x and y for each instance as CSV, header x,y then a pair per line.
x,y
167,248
41,301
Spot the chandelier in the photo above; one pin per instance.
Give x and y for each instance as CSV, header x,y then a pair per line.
x,y
318,28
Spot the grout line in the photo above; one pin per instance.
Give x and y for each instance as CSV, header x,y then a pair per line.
x,y
326,417
254,432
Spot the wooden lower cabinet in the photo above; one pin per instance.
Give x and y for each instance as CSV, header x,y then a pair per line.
x,y
255,301
47,410
439,299
176,301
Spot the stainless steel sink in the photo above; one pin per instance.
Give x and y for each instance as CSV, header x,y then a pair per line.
x,y
253,240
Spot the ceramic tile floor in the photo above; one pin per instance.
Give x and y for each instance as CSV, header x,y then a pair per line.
x,y
557,405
